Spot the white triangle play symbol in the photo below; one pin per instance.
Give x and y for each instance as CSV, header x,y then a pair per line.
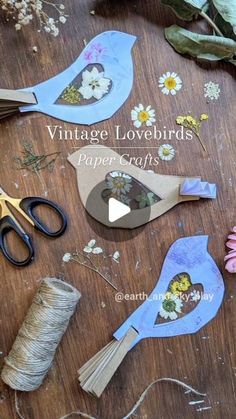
x,y
117,210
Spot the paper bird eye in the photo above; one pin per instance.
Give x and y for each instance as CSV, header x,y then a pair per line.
x,y
89,86
128,190
180,299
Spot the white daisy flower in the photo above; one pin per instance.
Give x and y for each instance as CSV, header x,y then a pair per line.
x,y
166,152
94,84
212,90
66,258
171,306
119,183
141,115
170,83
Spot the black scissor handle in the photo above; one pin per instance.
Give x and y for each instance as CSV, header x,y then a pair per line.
x,y
28,205
7,224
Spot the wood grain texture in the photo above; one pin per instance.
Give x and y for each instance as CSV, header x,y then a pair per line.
x,y
207,360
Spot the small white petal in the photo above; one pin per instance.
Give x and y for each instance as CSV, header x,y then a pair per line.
x,y
88,249
97,250
165,91
137,123
66,258
116,255
86,92
92,243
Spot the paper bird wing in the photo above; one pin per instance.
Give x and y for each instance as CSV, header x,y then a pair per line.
x,y
187,262
111,51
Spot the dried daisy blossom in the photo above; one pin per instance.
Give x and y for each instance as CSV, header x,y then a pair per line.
x,y
194,125
24,11
93,257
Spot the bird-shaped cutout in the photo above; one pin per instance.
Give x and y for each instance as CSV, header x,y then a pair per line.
x,y
187,255
91,90
94,163
187,264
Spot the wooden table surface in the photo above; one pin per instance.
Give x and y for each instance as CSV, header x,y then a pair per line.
x,y
206,360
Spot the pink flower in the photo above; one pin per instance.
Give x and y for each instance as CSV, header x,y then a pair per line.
x,y
230,258
88,56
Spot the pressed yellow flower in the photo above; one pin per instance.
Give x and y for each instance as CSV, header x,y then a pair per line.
x,y
185,281
193,124
71,95
180,120
182,285
175,288
204,117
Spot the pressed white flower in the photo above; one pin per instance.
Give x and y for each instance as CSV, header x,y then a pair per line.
x,y
195,295
119,183
171,306
97,250
166,152
66,258
170,83
94,84
141,115
212,90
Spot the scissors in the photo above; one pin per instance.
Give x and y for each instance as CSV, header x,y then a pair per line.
x,y
26,208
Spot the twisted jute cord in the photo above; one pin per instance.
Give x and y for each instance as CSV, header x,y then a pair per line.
x,y
33,351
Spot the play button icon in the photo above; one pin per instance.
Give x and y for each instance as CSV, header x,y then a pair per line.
x,y
117,210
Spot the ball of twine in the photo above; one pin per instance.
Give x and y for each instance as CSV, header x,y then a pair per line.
x,y
33,351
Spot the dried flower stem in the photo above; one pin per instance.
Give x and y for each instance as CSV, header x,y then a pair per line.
x,y
33,162
76,258
200,140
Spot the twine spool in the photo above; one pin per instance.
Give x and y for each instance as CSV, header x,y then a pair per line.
x,y
33,351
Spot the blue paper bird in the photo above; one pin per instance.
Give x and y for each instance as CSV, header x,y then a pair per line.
x,y
187,258
185,255
112,51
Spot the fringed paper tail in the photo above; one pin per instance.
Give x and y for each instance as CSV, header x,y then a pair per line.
x,y
98,371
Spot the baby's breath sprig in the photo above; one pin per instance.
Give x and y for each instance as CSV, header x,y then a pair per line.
x,y
194,125
24,11
92,258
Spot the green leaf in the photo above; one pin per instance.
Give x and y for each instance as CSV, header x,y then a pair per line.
x,y
224,27
227,10
186,9
205,47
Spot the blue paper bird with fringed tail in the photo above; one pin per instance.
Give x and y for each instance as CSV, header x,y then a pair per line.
x,y
92,89
186,297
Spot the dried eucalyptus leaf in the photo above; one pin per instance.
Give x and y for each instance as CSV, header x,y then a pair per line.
x,y
186,9
205,47
227,9
225,27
